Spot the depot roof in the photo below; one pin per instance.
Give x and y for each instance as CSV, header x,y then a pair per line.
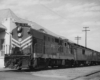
x,y
2,28
7,13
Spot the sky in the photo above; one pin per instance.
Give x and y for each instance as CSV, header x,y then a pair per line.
x,y
63,17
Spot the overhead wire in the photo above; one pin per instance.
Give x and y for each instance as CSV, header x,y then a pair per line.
x,y
52,11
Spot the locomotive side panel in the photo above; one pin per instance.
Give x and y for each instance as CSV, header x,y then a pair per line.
x,y
81,54
60,46
51,47
68,50
98,56
38,42
88,54
37,34
38,47
95,56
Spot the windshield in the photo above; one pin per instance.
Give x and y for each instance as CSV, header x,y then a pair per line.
x,y
16,51
19,51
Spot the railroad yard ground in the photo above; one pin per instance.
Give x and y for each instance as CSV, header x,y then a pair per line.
x,y
80,73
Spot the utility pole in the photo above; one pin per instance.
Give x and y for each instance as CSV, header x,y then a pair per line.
x,y
85,30
77,38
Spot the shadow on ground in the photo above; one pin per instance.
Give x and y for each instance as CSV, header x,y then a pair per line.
x,y
36,70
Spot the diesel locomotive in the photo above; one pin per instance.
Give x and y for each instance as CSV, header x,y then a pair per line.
x,y
36,48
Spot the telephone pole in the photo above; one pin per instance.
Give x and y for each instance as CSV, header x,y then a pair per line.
x,y
85,30
77,38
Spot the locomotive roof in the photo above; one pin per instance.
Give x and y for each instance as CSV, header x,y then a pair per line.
x,y
85,47
39,27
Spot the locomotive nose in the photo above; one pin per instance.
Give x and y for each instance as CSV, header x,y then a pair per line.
x,y
17,63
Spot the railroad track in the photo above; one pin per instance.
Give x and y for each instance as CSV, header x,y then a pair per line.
x,y
88,76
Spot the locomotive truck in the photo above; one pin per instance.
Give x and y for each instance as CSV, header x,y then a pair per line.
x,y
36,48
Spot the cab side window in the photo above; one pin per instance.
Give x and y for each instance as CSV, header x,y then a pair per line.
x,y
83,51
65,44
56,40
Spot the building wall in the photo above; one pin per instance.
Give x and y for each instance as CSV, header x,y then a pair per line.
x,y
2,50
6,23
6,36
5,39
2,42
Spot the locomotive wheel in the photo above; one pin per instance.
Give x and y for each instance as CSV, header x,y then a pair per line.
x,y
63,63
47,62
33,64
18,68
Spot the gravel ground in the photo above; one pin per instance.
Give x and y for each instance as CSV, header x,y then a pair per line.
x,y
70,73
55,74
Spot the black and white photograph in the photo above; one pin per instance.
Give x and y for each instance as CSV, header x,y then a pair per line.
x,y
49,39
